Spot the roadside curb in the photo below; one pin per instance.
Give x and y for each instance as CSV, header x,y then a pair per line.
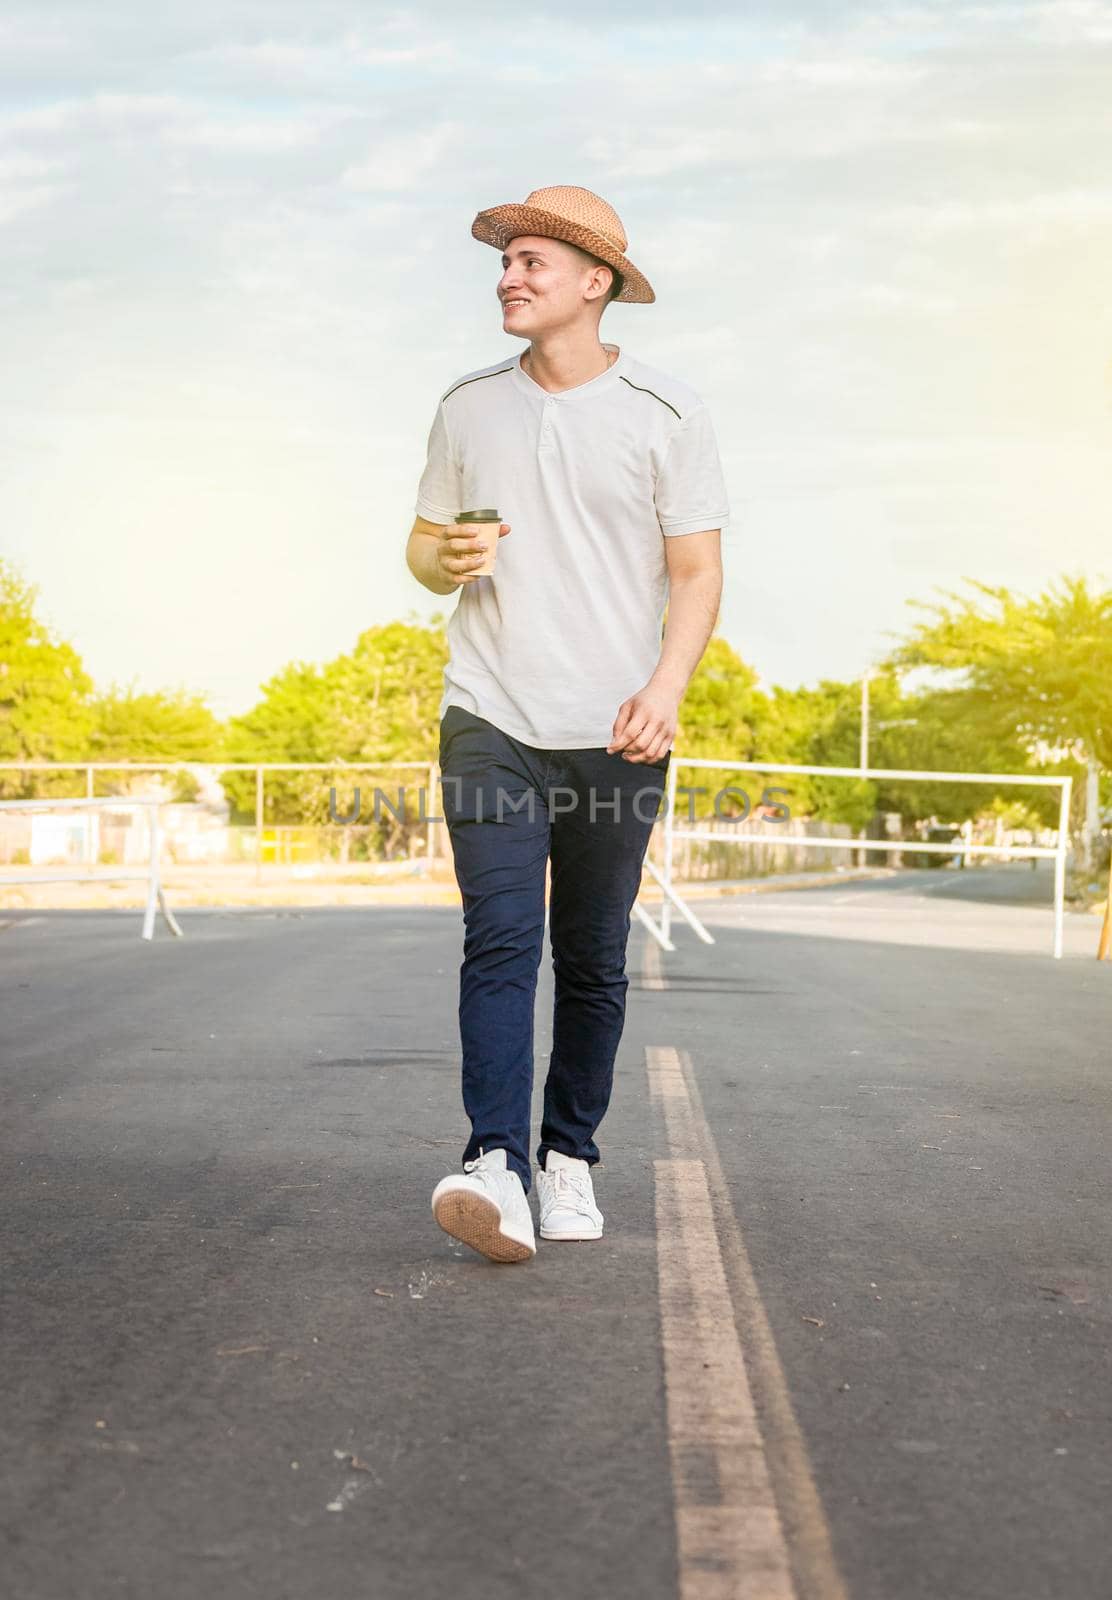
x,y
323,896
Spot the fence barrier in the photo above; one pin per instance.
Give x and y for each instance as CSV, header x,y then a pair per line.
x,y
662,930
156,898
664,876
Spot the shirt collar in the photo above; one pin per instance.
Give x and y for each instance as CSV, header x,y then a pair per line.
x,y
604,380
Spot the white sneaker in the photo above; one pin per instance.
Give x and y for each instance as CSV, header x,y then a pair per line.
x,y
567,1199
485,1205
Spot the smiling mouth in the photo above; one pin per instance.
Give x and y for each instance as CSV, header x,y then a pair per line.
x,y
512,305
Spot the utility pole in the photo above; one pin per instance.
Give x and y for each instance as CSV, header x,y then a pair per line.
x,y
1090,828
864,761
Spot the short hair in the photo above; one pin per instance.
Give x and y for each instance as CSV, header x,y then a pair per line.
x,y
617,282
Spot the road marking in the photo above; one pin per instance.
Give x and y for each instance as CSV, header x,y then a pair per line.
x,y
738,1494
727,1524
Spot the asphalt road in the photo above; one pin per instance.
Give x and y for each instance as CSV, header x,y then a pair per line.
x,y
240,1359
998,908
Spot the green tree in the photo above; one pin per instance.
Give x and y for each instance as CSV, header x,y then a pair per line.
x,y
287,724
383,698
822,727
376,703
933,732
917,731
44,689
159,725
717,717
1036,673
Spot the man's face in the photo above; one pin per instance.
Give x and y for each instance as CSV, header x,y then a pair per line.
x,y
545,284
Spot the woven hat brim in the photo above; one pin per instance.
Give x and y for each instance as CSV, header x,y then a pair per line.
x,y
502,223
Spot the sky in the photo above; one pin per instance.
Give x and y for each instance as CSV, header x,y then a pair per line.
x,y
237,273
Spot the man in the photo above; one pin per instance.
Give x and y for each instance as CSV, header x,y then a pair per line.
x,y
560,702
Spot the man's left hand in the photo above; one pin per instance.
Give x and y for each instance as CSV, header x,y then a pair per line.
x,y
645,725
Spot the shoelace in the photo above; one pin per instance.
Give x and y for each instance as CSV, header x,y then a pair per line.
x,y
478,1168
573,1186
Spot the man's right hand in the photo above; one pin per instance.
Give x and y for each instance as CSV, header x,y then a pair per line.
x,y
459,552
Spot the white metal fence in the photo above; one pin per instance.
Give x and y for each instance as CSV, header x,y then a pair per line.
x,y
156,898
258,842
769,839
662,929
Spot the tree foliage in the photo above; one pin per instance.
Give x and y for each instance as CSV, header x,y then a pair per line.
x,y
375,703
718,715
1016,684
1039,669
820,727
44,694
159,725
1033,676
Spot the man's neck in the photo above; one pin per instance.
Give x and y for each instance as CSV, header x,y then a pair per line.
x,y
558,364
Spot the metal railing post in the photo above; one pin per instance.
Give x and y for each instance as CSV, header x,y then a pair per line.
x,y
90,791
430,825
1060,864
669,839
152,880
259,803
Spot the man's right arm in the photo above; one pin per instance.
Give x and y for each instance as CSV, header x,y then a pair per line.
x,y
422,557
442,557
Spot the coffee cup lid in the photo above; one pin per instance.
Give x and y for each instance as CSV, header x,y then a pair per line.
x,y
478,516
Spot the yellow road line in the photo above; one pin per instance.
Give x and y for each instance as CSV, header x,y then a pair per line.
x,y
728,1529
749,1522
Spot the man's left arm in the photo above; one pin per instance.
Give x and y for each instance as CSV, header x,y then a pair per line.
x,y
692,507
646,724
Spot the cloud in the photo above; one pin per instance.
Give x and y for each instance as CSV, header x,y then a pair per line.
x,y
666,151
257,138
900,300
326,62
844,72
17,202
16,168
1064,208
399,161
102,110
22,185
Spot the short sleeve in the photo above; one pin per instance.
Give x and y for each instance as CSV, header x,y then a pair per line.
x,y
690,488
439,491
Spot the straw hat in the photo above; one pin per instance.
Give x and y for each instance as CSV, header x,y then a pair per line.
x,y
574,215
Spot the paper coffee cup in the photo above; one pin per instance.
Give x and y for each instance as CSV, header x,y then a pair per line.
x,y
485,525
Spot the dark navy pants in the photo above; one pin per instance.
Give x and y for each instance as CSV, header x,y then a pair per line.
x,y
509,807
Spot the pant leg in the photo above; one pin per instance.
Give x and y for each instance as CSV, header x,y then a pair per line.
x,y
596,876
499,828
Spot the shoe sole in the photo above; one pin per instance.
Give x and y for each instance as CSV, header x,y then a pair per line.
x,y
477,1222
577,1236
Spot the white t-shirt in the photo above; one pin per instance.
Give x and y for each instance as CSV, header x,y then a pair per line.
x,y
592,480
